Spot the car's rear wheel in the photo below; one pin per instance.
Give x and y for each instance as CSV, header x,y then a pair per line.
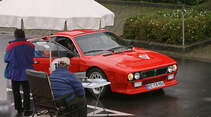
x,y
97,74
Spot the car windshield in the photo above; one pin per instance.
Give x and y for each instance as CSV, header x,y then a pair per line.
x,y
99,43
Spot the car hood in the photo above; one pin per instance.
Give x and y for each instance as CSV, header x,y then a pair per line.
x,y
137,60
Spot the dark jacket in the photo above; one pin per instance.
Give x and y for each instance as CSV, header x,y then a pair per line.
x,y
19,56
64,82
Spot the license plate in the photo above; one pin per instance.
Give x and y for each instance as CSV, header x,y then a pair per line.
x,y
137,84
155,85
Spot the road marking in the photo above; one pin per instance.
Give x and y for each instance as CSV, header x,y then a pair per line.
x,y
97,112
111,112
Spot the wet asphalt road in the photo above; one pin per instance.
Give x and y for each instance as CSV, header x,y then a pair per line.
x,y
190,98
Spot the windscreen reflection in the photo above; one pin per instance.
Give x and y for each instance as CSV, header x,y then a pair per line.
x,y
99,43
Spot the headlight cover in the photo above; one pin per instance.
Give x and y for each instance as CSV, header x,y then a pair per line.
x,y
170,69
174,67
137,75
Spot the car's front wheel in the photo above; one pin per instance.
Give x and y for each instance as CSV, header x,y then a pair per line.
x,y
97,74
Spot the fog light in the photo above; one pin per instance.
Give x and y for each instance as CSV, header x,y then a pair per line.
x,y
170,77
137,84
174,67
130,76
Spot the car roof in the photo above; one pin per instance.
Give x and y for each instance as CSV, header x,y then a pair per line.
x,y
72,33
75,33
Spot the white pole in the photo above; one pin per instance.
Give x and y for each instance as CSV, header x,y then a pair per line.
x,y
183,29
50,55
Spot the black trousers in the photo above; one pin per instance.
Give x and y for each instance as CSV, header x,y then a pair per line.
x,y
75,108
17,96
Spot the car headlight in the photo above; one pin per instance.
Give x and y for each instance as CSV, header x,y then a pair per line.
x,y
170,69
137,76
174,67
130,76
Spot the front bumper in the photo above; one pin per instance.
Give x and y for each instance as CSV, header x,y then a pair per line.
x,y
130,89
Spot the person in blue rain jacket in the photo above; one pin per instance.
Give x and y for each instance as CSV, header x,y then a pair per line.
x,y
67,89
19,57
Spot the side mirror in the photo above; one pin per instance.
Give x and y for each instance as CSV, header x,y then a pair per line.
x,y
131,42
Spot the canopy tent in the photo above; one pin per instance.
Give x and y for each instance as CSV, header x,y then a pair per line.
x,y
54,14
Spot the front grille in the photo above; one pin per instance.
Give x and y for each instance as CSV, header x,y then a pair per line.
x,y
148,81
154,72
161,71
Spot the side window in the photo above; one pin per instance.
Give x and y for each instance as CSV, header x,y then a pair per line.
x,y
67,43
42,50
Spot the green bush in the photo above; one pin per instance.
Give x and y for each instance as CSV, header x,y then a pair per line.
x,y
156,1
192,2
166,27
208,26
160,1
130,27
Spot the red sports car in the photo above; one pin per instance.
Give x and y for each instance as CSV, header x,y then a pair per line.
x,y
102,54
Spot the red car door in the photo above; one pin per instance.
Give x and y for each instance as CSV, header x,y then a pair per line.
x,y
42,64
66,42
42,55
74,64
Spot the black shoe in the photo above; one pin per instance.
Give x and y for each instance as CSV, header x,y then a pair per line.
x,y
27,113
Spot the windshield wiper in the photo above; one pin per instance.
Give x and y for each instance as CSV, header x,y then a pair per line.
x,y
91,51
115,48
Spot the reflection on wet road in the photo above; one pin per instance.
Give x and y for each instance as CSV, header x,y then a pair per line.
x,y
190,98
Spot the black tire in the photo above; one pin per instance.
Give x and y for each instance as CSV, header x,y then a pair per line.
x,y
97,73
